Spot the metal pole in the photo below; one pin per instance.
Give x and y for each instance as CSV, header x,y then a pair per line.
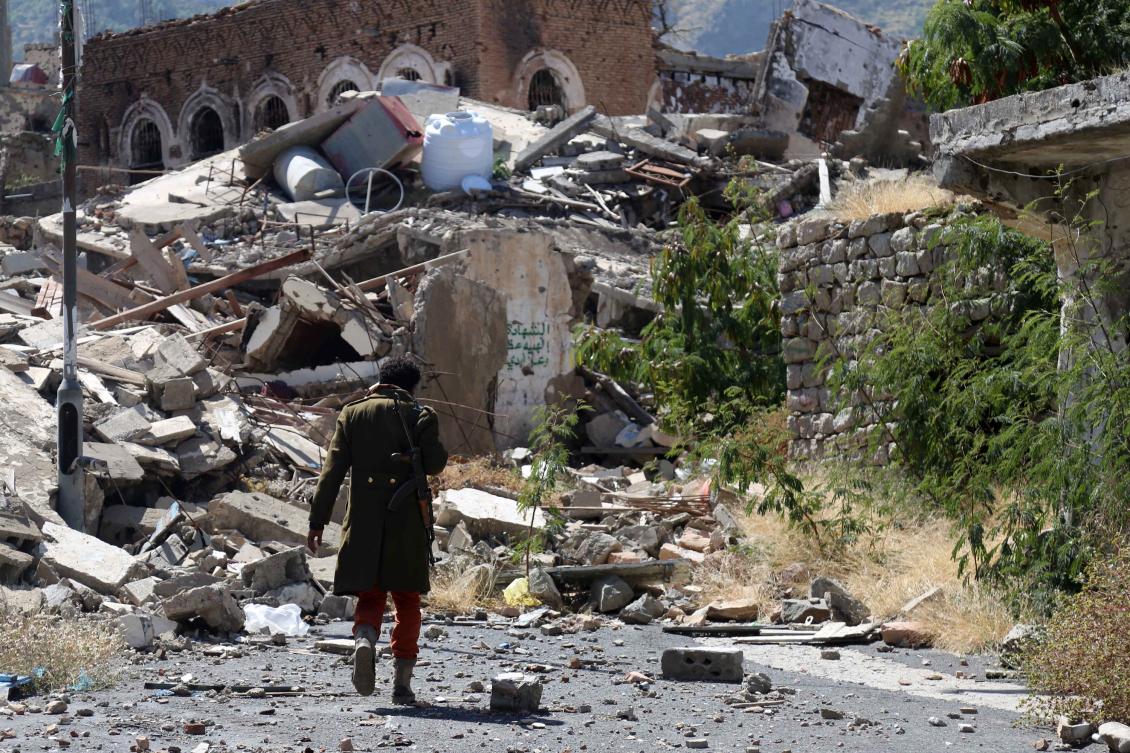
x,y
70,503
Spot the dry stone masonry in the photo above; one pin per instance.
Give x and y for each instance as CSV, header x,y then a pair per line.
x,y
842,283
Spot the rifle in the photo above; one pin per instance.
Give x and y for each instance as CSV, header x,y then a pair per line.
x,y
417,485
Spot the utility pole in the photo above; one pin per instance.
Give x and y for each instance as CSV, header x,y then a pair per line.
x,y
70,505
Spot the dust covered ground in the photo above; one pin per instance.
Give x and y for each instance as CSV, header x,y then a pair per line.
x,y
886,700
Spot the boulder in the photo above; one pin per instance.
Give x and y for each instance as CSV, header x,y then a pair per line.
x,y
801,610
643,610
592,548
611,594
544,589
907,635
642,537
732,610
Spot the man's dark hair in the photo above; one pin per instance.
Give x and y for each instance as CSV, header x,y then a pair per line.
x,y
401,371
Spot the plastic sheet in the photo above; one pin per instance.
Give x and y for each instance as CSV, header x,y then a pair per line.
x,y
286,619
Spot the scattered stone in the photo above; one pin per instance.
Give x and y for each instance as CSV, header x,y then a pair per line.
x,y
758,683
906,635
967,728
544,589
611,594
845,607
1116,736
643,610
936,722
732,610
697,742
830,654
213,604
828,713
795,611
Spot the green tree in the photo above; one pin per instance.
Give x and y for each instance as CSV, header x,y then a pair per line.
x,y
974,51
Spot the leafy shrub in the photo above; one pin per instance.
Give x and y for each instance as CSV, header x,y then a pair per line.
x,y
1078,669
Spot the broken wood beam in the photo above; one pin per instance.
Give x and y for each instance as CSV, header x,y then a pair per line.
x,y
643,141
142,313
152,261
556,138
117,373
220,329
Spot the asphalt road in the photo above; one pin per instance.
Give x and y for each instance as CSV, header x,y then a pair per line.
x,y
886,700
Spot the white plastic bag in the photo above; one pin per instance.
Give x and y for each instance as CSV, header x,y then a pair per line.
x,y
286,619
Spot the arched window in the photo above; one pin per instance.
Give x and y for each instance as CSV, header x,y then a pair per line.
x,y
341,87
146,151
545,90
271,113
409,74
207,133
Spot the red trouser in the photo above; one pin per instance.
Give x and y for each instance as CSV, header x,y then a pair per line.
x,y
406,631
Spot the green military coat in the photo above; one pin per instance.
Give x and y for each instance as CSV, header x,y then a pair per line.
x,y
380,549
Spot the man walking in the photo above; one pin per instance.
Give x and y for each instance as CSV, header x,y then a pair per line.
x,y
391,443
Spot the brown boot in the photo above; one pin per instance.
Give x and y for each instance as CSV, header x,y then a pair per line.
x,y
402,694
364,660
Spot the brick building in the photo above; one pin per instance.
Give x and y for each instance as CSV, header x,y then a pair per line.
x,y
166,95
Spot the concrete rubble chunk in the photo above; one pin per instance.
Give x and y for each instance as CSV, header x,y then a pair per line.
x,y
200,455
125,524
213,604
86,560
26,454
181,355
261,517
338,607
593,549
845,607
141,630
22,600
797,611
276,571
1116,736
113,461
123,426
515,692
13,362
703,664
732,610
906,635
139,591
544,589
168,431
167,588
556,138
611,594
488,514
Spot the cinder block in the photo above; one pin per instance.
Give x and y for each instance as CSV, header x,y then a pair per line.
x,y
703,664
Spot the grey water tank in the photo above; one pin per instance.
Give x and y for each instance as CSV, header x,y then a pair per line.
x,y
305,174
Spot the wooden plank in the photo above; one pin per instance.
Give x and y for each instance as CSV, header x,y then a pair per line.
x,y
179,272
117,373
186,316
152,261
13,304
219,329
192,238
142,313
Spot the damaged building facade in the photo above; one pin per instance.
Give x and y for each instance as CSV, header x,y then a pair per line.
x,y
163,96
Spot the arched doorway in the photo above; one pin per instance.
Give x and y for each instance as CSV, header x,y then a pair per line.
x,y
271,113
545,90
147,155
409,74
207,132
341,87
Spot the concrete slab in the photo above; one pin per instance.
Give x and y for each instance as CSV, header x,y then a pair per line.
x,y
29,441
113,461
487,514
261,517
87,560
320,213
169,431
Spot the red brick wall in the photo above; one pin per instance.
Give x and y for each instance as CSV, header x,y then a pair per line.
x,y
233,49
609,41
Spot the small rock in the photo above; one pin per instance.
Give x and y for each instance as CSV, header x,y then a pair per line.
x,y
827,713
195,728
758,682
936,722
698,742
830,654
967,728
142,743
346,744
433,632
56,707
1040,744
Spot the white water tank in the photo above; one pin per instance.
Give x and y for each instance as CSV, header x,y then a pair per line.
x,y
456,145
304,173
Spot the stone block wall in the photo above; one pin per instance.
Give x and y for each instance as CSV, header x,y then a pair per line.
x,y
840,283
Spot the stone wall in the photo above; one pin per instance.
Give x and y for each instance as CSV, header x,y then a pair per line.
x,y
299,50
840,283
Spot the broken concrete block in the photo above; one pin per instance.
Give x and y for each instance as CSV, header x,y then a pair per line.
x,y
153,458
304,595
167,588
1073,733
22,600
845,607
732,610
169,431
178,394
173,550
276,571
209,382
603,430
179,354
703,664
712,140
13,563
906,635
213,604
515,692
21,263
338,607
86,560
694,539
141,630
674,552
1116,736
323,569
592,549
803,610
625,558
460,538
263,518
200,455
644,537
139,591
611,594
112,461
12,361
489,515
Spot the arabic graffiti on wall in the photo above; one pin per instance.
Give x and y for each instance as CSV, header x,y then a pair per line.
x,y
526,345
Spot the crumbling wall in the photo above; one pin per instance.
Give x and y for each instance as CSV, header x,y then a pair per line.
x,y
693,83
827,72
26,110
840,284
